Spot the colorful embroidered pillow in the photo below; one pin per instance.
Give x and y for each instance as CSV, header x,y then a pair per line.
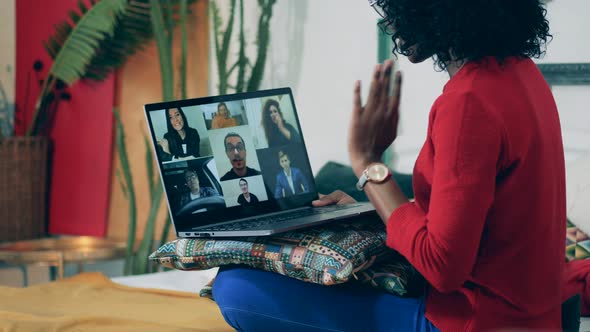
x,y
328,254
577,243
395,276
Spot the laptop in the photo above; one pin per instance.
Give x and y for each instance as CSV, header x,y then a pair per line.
x,y
236,165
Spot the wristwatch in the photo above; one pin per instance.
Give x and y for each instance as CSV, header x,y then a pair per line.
x,y
376,173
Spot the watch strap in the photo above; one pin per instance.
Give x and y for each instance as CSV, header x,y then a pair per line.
x,y
360,185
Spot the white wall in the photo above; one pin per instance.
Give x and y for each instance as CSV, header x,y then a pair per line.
x,y
7,65
320,48
570,26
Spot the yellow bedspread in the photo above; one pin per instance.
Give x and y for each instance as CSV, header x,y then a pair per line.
x,y
91,302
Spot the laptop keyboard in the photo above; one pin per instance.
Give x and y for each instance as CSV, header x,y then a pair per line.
x,y
278,218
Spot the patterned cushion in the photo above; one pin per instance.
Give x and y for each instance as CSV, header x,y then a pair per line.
x,y
329,254
395,276
577,243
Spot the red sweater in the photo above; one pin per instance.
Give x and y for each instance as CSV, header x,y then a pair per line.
x,y
487,228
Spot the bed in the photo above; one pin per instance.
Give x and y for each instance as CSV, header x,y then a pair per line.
x,y
90,301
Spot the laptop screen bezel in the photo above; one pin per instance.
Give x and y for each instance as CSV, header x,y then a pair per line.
x,y
272,205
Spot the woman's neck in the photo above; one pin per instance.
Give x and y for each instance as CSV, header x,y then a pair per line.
x,y
454,64
453,67
181,133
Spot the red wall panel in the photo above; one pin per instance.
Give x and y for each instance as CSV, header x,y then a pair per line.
x,y
82,135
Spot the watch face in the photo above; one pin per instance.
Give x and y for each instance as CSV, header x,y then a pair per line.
x,y
378,173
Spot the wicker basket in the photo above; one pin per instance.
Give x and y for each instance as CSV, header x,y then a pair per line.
x,y
23,187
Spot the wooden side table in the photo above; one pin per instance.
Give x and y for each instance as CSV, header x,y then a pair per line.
x,y
57,252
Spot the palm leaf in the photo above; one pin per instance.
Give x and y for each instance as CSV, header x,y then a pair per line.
x,y
132,31
96,41
74,47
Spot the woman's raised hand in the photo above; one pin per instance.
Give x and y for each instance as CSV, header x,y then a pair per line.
x,y
373,127
164,144
280,122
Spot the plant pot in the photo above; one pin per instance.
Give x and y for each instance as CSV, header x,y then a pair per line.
x,y
23,187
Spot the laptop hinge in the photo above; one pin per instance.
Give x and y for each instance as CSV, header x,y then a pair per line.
x,y
251,217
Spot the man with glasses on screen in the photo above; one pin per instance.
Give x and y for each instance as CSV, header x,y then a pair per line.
x,y
235,149
196,191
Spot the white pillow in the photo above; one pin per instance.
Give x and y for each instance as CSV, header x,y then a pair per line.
x,y
577,179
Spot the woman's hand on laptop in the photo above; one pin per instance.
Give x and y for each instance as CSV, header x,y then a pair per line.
x,y
336,197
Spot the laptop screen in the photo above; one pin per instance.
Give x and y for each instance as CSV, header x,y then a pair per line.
x,y
230,157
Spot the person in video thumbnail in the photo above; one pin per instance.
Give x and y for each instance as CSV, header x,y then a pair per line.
x,y
222,118
290,180
278,132
181,140
246,197
195,190
235,149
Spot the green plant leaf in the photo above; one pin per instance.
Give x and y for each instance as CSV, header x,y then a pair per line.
x,y
159,29
262,44
147,242
222,48
242,59
165,230
149,163
120,140
183,47
79,43
132,31
121,183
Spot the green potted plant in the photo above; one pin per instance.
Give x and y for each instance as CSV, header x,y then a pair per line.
x,y
23,186
127,25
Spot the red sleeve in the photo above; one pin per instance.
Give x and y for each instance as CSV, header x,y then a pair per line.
x,y
443,243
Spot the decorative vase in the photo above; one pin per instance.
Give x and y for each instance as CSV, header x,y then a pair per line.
x,y
23,187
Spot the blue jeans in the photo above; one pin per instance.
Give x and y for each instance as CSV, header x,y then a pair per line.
x,y
256,300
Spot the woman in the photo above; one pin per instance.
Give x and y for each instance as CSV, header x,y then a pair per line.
x,y
181,140
489,185
222,119
278,131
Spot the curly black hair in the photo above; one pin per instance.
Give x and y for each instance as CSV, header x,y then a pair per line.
x,y
472,29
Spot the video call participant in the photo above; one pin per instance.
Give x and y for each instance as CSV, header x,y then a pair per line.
x,y
278,132
235,149
246,197
196,191
290,180
181,140
222,118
